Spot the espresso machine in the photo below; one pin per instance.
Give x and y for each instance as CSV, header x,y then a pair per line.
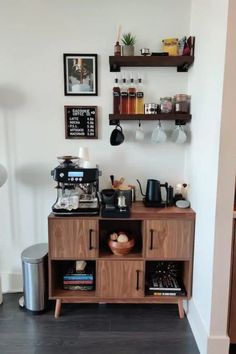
x,y
77,188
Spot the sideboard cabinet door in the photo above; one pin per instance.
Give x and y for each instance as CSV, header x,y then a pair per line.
x,y
169,239
121,279
73,238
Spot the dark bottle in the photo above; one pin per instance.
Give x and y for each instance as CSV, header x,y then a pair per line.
x,y
131,97
116,97
123,97
117,49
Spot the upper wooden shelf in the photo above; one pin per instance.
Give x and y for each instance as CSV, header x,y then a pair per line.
x,y
181,62
180,118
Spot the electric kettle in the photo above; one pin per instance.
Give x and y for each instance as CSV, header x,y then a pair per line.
x,y
153,198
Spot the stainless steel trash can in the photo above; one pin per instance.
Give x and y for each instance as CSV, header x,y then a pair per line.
x,y
34,266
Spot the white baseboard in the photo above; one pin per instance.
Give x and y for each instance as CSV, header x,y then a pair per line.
x,y
218,345
206,344
11,282
198,327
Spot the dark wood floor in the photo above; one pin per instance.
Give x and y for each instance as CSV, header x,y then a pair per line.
x,y
95,329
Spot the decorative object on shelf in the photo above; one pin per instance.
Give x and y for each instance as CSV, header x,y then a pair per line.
x,y
80,74
128,41
145,51
170,46
81,122
117,46
151,108
117,137
120,243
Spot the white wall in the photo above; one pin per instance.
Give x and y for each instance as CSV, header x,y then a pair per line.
x,y
210,167
34,35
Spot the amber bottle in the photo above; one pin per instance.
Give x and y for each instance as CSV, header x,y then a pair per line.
x,y
131,97
123,97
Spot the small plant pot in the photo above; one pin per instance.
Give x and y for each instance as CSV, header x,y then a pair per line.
x,y
128,50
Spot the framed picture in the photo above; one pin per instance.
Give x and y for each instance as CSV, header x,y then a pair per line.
x,y
80,74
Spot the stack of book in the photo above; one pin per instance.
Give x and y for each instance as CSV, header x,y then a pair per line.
x,y
79,279
166,286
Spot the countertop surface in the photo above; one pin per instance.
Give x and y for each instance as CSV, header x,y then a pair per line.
x,y
139,211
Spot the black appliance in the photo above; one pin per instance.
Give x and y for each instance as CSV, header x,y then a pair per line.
x,y
77,188
115,203
152,197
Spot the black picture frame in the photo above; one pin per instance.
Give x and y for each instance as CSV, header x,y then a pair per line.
x,y
80,74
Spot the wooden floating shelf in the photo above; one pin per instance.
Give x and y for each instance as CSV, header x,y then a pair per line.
x,y
180,118
182,63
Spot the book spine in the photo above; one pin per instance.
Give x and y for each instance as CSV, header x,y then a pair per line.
x,y
77,277
74,282
78,287
165,294
165,289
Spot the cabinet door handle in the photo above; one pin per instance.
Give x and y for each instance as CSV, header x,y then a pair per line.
x,y
151,239
137,284
90,239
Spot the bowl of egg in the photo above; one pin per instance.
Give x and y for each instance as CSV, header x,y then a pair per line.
x,y
120,243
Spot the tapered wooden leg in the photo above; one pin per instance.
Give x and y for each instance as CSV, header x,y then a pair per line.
x,y
57,308
181,308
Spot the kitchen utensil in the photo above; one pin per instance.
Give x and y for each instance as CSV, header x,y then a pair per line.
x,y
158,134
117,136
152,197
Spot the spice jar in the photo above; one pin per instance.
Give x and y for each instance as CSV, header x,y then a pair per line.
x,y
166,104
182,103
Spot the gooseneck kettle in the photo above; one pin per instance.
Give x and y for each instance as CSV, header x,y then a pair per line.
x,y
152,197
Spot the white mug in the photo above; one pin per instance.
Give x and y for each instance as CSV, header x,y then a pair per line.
x,y
179,136
158,134
139,134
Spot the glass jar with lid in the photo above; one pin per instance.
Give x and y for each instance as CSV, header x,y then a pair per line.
x,y
166,104
182,103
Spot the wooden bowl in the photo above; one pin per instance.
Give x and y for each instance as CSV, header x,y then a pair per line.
x,y
121,248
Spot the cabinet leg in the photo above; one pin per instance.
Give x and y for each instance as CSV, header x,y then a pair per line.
x,y
181,309
57,308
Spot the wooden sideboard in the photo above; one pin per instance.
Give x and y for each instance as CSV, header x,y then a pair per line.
x,y
164,234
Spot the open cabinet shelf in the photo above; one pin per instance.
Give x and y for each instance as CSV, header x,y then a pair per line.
x,y
182,63
180,118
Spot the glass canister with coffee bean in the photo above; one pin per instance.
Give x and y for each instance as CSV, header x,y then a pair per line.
x,y
166,104
182,103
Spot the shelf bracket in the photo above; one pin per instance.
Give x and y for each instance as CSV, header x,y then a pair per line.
x,y
114,67
183,68
114,122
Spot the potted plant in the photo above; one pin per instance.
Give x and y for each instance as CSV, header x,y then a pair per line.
x,y
128,44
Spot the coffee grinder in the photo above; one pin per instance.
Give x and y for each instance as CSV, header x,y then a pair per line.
x,y
77,188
